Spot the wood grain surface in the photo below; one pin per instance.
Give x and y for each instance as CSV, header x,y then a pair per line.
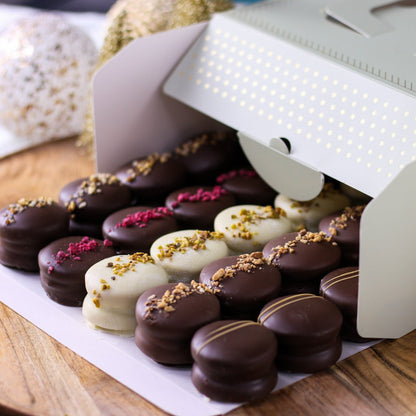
x,y
39,376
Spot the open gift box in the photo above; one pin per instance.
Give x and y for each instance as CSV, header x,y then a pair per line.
x,y
251,70
334,78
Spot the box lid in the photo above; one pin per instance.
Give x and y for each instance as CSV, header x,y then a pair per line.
x,y
344,99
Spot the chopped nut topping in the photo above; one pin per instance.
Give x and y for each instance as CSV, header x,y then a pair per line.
x,y
193,145
92,185
304,237
182,244
245,262
171,297
145,166
347,215
247,217
22,204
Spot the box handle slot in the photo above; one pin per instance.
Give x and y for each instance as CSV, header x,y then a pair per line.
x,y
356,14
280,169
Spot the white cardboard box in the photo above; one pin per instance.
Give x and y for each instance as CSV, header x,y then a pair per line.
x,y
133,118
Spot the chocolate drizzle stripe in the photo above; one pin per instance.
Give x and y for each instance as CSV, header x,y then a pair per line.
x,y
224,327
342,275
281,304
219,332
337,279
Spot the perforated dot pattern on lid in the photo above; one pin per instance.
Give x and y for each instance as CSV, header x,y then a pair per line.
x,y
299,97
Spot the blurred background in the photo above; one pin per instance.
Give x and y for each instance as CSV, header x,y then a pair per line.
x,y
100,6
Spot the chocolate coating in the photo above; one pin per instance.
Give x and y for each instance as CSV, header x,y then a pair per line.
x,y
244,294
153,186
247,187
198,214
234,361
291,287
341,288
136,237
307,328
62,274
311,362
90,229
99,205
165,336
32,229
346,234
207,155
307,261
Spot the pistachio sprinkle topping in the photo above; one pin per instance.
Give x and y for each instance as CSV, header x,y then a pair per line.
x,y
241,228
195,242
119,268
327,191
133,259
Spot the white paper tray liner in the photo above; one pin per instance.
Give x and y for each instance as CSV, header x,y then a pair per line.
x,y
169,388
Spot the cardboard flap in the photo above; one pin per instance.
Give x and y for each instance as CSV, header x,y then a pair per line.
x,y
274,165
128,89
387,285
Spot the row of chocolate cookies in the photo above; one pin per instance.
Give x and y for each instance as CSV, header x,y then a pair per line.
x,y
210,167
197,161
244,228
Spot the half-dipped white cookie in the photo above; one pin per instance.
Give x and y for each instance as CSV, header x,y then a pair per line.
x,y
114,285
248,228
183,254
307,214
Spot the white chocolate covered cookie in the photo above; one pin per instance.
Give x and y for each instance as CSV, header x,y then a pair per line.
x,y
114,285
248,228
183,254
307,214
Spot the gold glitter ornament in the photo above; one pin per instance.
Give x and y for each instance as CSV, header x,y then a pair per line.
x,y
188,12
127,20
131,19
